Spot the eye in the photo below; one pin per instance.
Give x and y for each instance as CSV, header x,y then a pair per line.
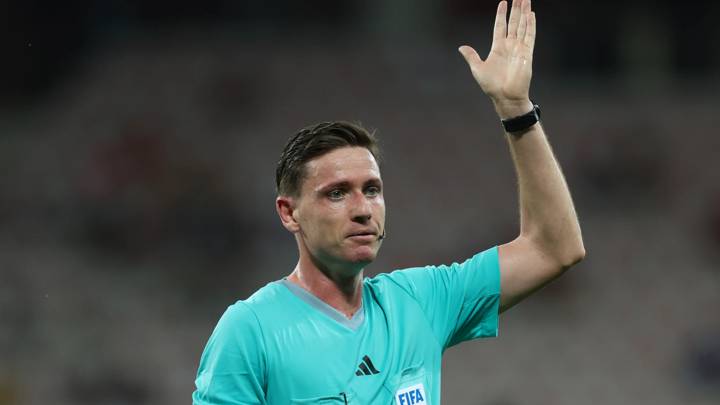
x,y
336,194
372,191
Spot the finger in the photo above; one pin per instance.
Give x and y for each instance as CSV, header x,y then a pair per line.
x,y
522,26
530,34
500,31
526,8
514,19
470,55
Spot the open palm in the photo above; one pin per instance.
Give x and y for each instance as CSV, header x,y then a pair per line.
x,y
505,75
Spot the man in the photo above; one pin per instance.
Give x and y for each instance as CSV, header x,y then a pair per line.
x,y
326,335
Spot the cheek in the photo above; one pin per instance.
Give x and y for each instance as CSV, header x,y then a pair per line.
x,y
380,208
320,223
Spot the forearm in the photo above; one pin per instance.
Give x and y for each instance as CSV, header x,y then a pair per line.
x,y
547,214
549,239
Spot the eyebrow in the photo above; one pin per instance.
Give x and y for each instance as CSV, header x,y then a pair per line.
x,y
346,184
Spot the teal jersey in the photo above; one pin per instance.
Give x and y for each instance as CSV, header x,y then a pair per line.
x,y
285,346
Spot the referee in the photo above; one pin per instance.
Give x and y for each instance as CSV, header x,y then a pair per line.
x,y
326,335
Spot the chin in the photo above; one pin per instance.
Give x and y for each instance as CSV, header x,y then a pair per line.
x,y
363,256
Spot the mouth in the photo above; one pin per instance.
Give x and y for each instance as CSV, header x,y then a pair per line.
x,y
363,236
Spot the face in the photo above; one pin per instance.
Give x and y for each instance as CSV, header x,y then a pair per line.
x,y
340,212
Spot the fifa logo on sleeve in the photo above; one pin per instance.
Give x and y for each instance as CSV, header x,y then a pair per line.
x,y
414,395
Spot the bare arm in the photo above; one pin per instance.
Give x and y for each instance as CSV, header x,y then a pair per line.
x,y
550,240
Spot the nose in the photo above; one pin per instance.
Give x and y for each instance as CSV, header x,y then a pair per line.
x,y
362,219
362,210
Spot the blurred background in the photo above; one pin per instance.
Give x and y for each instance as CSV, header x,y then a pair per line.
x,y
138,141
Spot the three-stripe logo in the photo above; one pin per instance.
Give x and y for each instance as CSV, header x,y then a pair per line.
x,y
366,367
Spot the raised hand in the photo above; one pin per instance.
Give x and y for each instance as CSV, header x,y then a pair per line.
x,y
505,75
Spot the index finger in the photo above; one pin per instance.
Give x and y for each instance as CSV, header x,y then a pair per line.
x,y
530,34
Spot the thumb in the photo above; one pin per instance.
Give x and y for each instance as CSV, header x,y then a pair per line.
x,y
471,57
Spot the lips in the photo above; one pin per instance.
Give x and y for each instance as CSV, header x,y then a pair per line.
x,y
362,233
365,236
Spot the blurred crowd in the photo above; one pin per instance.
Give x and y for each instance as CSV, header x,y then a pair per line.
x,y
137,189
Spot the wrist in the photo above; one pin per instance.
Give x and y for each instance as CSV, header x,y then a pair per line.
x,y
507,109
517,125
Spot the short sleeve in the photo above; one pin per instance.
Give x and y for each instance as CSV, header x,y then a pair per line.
x,y
461,301
232,366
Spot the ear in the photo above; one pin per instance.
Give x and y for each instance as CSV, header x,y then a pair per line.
x,y
285,207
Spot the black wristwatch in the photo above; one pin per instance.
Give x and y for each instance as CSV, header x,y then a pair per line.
x,y
522,122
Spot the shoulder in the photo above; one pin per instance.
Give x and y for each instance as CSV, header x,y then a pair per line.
x,y
246,315
388,283
417,280
238,320
398,284
269,296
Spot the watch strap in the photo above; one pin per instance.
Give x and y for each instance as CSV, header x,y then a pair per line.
x,y
522,122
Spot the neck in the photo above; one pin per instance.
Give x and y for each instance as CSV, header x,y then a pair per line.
x,y
340,290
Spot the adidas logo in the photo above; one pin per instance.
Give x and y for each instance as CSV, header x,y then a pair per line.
x,y
366,367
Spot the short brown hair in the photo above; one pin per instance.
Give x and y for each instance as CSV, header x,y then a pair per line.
x,y
317,140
